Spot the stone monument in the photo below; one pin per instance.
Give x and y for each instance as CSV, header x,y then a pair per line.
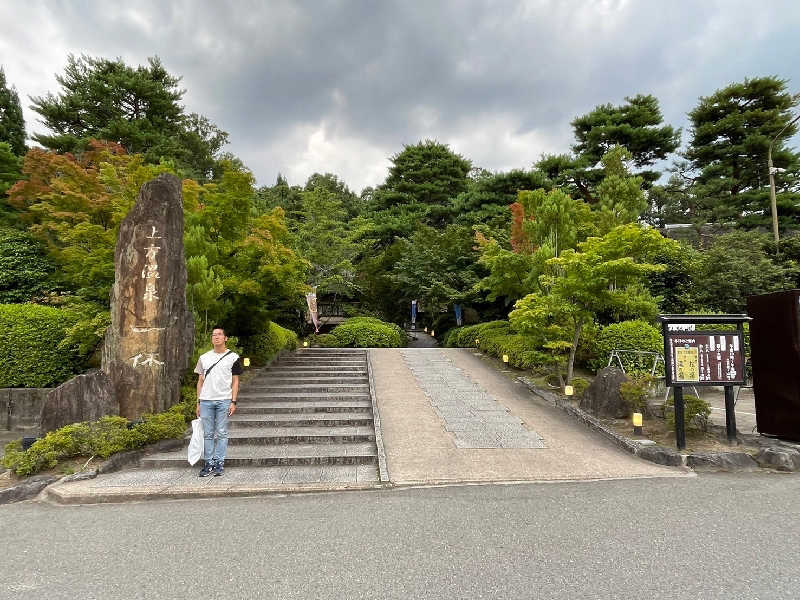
x,y
151,337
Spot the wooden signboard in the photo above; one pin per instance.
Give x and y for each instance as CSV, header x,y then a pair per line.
x,y
705,358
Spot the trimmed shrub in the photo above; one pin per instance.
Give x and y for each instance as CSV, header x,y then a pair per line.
x,y
696,413
324,340
162,426
368,332
102,438
30,354
261,348
636,390
579,385
24,267
628,335
497,338
464,337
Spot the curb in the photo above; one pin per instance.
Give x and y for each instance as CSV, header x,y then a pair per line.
x,y
55,494
383,471
33,486
647,450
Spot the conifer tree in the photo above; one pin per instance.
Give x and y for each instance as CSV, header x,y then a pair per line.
x,y
12,123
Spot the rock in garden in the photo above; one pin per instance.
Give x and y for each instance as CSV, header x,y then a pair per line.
x,y
779,458
603,399
721,461
85,397
151,336
660,455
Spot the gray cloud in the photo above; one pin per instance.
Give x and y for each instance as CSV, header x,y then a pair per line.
x,y
341,86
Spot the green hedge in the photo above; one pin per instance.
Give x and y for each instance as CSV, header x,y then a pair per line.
x,y
30,354
497,338
628,335
323,340
263,347
368,332
100,439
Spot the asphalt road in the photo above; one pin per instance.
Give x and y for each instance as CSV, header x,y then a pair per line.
x,y
713,536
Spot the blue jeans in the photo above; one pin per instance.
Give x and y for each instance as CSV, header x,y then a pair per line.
x,y
214,414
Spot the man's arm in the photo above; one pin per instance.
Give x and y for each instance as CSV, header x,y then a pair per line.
x,y
200,380
234,394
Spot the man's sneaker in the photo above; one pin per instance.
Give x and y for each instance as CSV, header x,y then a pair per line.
x,y
219,469
206,470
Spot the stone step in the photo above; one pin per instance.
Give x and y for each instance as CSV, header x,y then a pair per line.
x,y
333,388
254,407
284,380
298,396
327,352
269,436
308,365
318,419
311,372
287,454
323,360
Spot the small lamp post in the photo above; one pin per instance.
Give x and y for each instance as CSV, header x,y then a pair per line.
x,y
246,362
637,423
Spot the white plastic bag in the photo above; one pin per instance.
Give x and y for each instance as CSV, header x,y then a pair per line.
x,y
196,443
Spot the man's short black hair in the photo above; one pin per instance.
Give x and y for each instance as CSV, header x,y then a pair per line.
x,y
219,327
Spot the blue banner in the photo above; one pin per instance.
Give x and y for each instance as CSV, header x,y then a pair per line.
x,y
413,313
457,308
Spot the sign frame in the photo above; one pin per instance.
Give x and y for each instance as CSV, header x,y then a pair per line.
x,y
676,332
669,358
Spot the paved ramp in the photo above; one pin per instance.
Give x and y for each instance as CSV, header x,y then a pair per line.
x,y
448,415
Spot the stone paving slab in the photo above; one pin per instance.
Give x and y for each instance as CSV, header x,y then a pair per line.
x,y
146,484
478,418
420,450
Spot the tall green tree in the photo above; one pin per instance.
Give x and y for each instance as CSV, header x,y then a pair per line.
x,y
289,198
621,199
488,196
731,132
324,240
439,268
138,108
604,275
12,123
637,125
10,170
331,183
738,265
427,173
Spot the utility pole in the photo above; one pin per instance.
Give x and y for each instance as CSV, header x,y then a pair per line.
x,y
773,202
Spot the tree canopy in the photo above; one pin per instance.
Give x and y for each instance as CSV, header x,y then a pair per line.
x,y
138,108
425,173
636,125
731,132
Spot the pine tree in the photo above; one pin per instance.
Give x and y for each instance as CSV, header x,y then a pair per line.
x,y
12,124
727,153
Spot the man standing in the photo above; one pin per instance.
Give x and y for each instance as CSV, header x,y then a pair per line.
x,y
217,389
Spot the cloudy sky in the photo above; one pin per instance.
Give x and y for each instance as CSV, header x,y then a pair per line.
x,y
338,86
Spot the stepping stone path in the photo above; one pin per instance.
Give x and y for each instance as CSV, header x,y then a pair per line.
x,y
474,417
308,417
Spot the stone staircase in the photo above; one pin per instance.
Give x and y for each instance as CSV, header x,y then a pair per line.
x,y
310,408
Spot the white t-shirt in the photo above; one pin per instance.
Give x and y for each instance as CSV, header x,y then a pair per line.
x,y
217,385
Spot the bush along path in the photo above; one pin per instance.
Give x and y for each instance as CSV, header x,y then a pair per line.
x,y
304,422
